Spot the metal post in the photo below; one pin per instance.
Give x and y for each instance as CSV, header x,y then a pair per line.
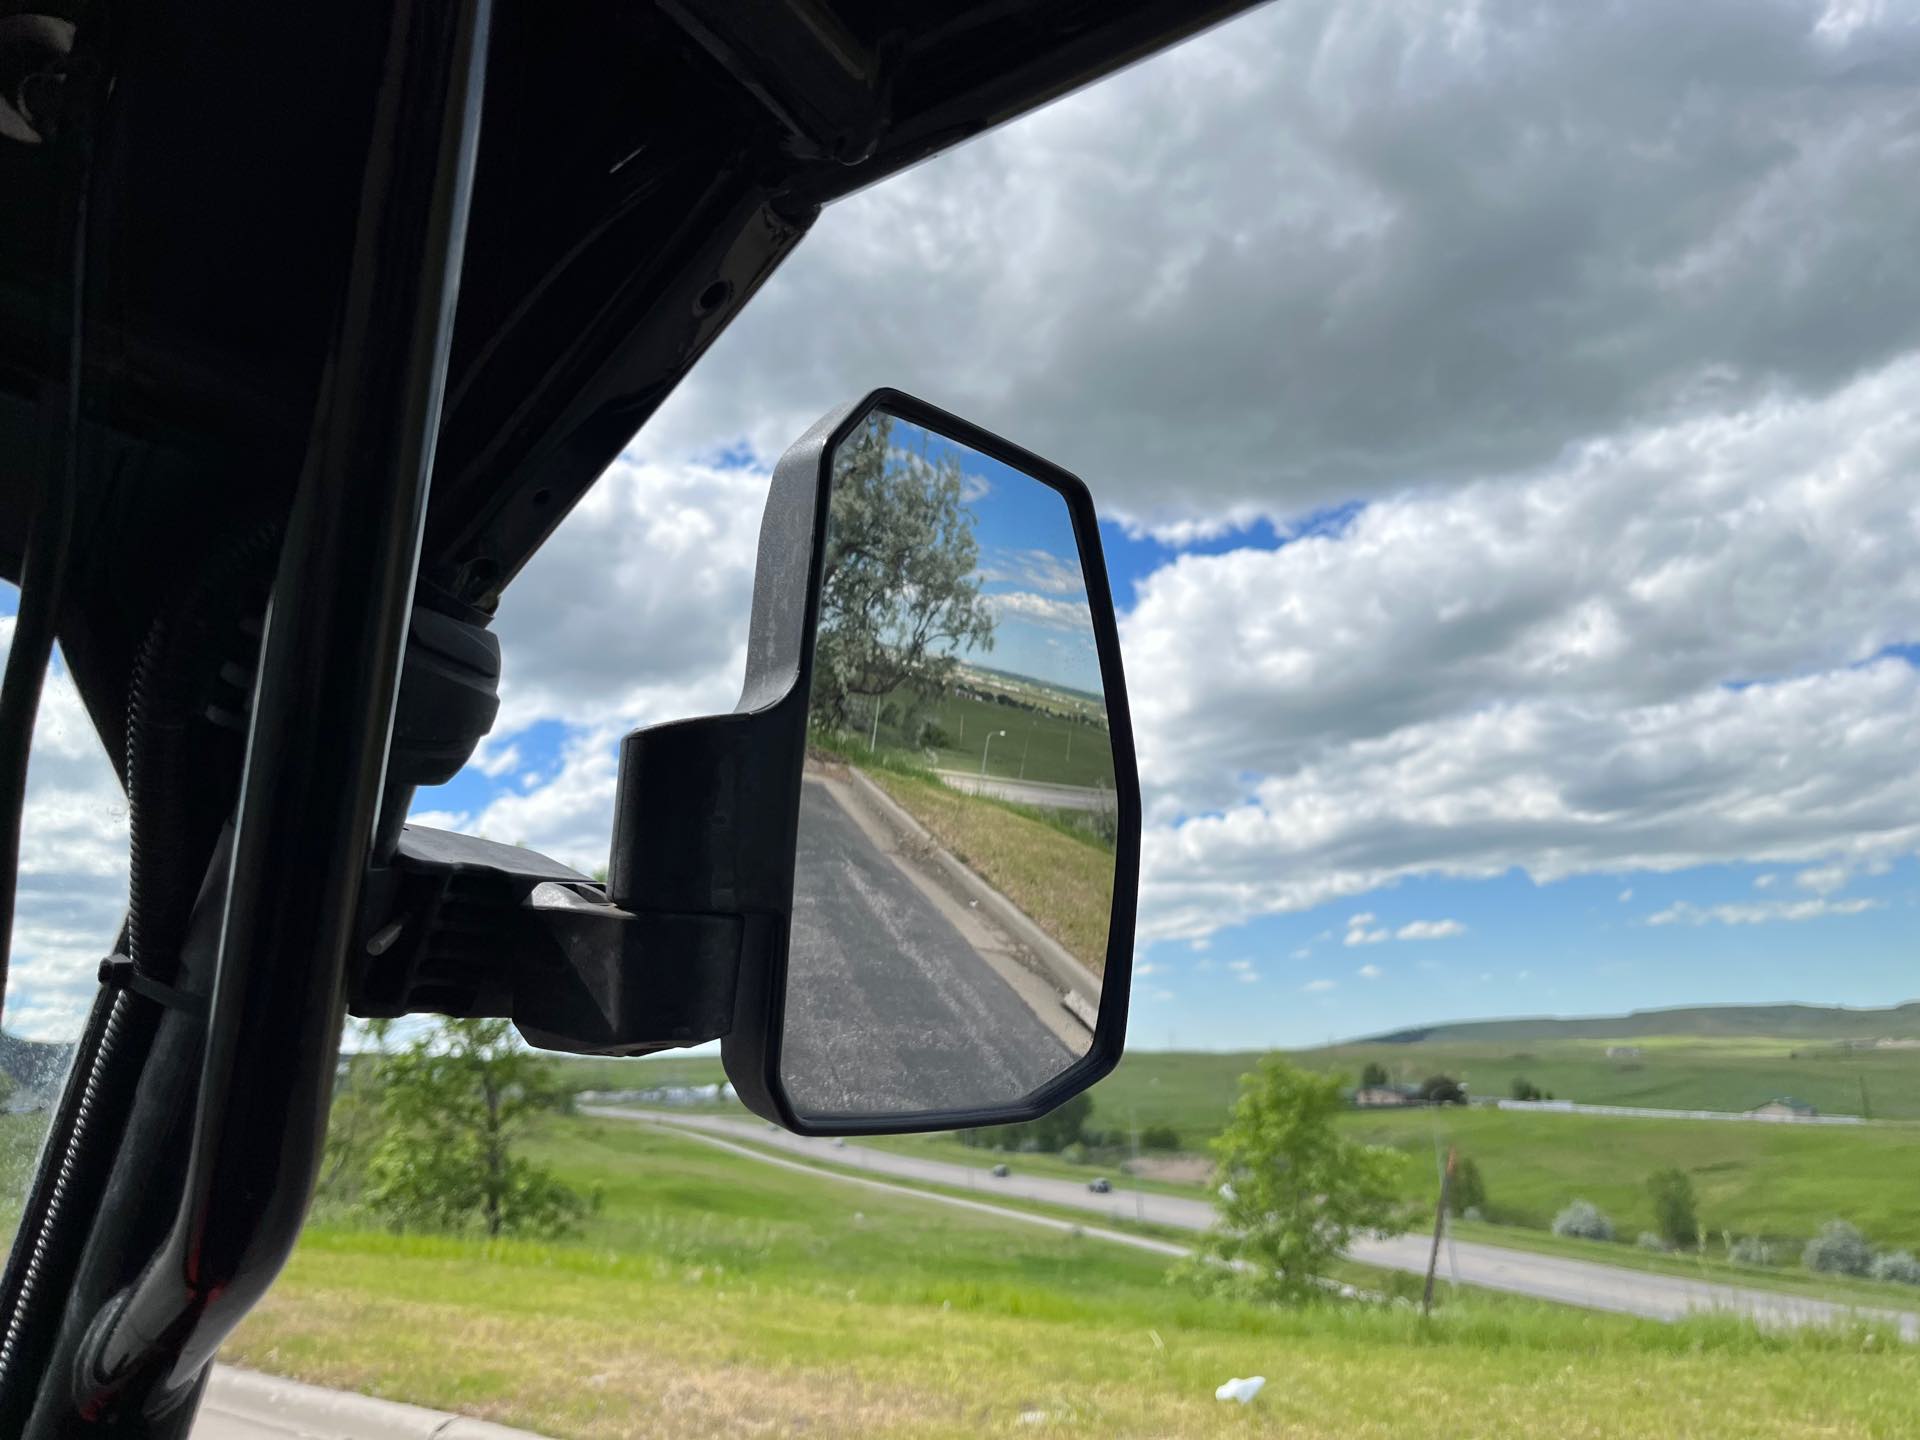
x,y
992,735
321,722
1439,1224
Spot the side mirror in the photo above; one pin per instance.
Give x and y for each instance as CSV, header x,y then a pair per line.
x,y
924,811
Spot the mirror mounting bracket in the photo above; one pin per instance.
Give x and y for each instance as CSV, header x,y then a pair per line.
x,y
471,928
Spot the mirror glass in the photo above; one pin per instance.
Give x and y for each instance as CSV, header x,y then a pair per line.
x,y
953,881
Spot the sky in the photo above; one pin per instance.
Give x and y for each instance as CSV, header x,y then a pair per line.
x,y
1506,419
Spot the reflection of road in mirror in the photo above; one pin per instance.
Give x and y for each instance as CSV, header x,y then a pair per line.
x,y
903,994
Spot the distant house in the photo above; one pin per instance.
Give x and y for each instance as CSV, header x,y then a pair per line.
x,y
1623,1052
1386,1097
1784,1107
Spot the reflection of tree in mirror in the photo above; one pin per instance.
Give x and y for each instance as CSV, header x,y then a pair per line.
x,y
899,599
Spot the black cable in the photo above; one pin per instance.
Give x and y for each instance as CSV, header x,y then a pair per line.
x,y
43,579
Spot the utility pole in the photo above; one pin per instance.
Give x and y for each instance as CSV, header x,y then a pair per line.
x,y
1025,745
1139,1200
873,740
1439,1224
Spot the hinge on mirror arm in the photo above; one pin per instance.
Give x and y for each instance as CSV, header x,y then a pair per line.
x,y
454,925
460,926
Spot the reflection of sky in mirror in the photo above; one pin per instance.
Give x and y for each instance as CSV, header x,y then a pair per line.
x,y
1029,569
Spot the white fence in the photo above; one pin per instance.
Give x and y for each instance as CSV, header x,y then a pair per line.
x,y
1567,1107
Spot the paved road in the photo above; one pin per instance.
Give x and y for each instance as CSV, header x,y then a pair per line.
x,y
1544,1277
243,1405
899,998
1030,792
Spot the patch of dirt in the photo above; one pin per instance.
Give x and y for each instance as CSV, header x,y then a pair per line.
x,y
1173,1169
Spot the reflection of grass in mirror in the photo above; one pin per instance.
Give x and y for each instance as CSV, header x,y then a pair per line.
x,y
1062,882
1051,865
1054,742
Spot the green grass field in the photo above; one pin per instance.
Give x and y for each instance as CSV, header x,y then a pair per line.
x,y
1050,745
1061,880
715,1296
1781,1181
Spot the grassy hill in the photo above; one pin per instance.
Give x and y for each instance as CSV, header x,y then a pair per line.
x,y
714,1296
1787,1022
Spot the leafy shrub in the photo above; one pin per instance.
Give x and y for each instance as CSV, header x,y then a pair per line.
x,y
1839,1249
1469,1191
1443,1090
1524,1089
1899,1266
1750,1250
1160,1137
1674,1215
1583,1220
1650,1241
1075,1153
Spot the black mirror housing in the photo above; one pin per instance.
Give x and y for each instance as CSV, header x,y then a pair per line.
x,y
708,810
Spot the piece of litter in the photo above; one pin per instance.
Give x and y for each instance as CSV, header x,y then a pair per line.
x,y
1033,1417
1241,1390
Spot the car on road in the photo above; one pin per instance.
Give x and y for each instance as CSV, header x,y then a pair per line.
x,y
1000,1172
1100,1185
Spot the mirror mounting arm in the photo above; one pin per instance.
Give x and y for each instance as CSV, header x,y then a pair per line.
x,y
471,927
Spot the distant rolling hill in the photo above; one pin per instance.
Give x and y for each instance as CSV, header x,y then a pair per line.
x,y
1785,1022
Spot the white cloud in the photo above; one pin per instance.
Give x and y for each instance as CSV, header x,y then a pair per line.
x,y
1302,953
1369,972
1367,937
636,609
1239,965
1823,879
1626,895
1247,977
1326,248
1360,921
1430,930
72,889
1656,654
1046,610
1760,913
1766,881
1319,987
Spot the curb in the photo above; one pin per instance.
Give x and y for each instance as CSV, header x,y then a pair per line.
x,y
1067,972
290,1408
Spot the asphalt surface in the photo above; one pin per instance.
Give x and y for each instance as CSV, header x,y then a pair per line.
x,y
890,1007
1543,1277
1043,794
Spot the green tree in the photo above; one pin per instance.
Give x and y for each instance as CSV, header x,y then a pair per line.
x,y
1064,1125
1291,1191
1443,1090
456,1102
1674,1213
1524,1089
899,597
1373,1074
357,1118
1468,1191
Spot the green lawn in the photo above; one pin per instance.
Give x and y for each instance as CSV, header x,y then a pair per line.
x,y
716,1296
1781,1181
1055,748
1785,1276
1061,881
